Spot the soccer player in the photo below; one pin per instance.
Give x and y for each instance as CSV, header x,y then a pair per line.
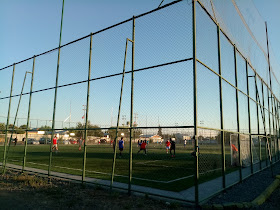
x,y
167,145
172,147
55,147
234,154
193,153
143,147
121,145
80,141
16,140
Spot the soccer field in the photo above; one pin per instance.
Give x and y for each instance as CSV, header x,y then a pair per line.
x,y
157,169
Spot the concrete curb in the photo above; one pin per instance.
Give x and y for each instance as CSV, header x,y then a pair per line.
x,y
265,195
256,202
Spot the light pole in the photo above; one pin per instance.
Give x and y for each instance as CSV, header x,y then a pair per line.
x,y
84,108
201,122
124,119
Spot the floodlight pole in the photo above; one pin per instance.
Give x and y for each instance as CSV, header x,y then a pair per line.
x,y
8,117
28,115
55,94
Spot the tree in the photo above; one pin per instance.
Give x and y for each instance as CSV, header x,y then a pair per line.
x,y
226,137
45,127
22,129
159,131
80,133
2,127
15,129
125,130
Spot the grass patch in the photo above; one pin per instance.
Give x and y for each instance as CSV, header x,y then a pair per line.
x,y
156,169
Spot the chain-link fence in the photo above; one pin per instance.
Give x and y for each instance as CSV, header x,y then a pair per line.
x,y
171,103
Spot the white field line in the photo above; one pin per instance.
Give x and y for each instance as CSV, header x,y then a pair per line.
x,y
97,172
165,166
149,161
185,177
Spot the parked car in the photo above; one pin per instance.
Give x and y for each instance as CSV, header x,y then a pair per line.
x,y
64,141
72,141
45,141
32,141
103,141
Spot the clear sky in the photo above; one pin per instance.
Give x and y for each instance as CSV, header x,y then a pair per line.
x,y
31,27
269,10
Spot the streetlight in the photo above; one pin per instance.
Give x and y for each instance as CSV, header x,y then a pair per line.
x,y
201,122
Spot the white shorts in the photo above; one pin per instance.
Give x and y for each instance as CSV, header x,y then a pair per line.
x,y
168,147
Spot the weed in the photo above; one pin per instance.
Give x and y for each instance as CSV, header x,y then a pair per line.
x,y
174,205
98,187
115,194
140,205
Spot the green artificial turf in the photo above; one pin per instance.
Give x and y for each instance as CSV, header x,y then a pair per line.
x,y
157,169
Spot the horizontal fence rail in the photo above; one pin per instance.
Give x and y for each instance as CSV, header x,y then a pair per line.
x,y
149,105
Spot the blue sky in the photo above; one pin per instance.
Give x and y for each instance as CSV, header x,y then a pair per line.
x,y
32,27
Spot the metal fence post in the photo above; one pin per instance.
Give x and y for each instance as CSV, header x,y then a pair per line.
x,y
221,109
118,119
258,124
270,87
86,124
277,126
269,124
28,115
274,128
196,172
237,114
131,107
249,117
8,118
55,94
264,126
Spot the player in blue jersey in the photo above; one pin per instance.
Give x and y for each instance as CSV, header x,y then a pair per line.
x,y
121,145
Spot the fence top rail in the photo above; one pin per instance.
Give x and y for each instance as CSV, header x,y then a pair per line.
x,y
94,33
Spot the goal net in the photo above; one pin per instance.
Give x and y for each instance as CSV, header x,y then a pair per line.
x,y
244,150
245,156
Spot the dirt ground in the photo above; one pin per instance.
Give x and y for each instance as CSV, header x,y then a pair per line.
x,y
20,191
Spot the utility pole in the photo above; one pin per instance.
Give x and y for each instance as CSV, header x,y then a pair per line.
x,y
124,119
135,118
84,108
112,116
70,116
